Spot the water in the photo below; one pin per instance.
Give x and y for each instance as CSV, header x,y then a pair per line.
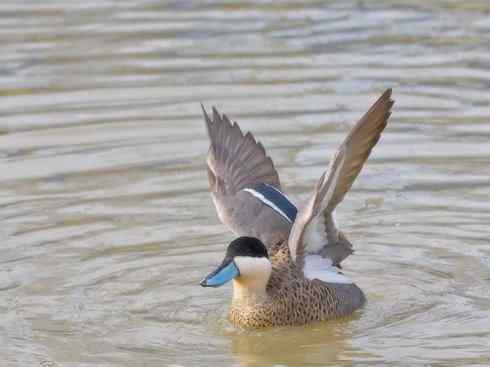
x,y
107,224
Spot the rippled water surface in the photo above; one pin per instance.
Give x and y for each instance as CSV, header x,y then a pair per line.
x,y
107,224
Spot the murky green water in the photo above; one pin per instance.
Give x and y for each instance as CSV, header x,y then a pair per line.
x,y
106,222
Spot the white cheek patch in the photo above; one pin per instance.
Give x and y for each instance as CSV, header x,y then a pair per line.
x,y
253,267
318,267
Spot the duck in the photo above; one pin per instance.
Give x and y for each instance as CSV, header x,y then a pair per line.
x,y
285,262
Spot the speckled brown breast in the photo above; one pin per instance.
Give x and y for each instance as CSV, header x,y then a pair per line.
x,y
295,300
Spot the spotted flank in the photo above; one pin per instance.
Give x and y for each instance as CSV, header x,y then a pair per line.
x,y
275,200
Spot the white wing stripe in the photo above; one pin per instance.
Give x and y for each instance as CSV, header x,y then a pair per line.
x,y
269,203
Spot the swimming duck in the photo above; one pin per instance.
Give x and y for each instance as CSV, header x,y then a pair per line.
x,y
285,264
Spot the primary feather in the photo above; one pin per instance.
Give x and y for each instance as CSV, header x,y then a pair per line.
x,y
336,181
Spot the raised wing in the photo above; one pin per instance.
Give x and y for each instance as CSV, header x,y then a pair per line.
x,y
244,183
337,180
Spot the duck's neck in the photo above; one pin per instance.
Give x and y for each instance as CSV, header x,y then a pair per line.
x,y
250,286
249,291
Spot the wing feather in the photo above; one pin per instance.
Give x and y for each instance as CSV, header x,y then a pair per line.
x,y
338,179
237,161
358,145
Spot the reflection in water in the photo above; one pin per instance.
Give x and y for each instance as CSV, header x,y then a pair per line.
x,y
315,344
107,225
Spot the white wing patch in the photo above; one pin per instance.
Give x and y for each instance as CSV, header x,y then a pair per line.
x,y
315,236
318,267
269,203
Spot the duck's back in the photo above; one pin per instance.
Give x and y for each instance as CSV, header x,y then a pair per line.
x,y
296,300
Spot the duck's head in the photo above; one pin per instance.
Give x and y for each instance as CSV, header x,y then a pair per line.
x,y
246,262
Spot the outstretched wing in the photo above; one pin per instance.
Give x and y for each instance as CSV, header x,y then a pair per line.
x,y
337,180
244,183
